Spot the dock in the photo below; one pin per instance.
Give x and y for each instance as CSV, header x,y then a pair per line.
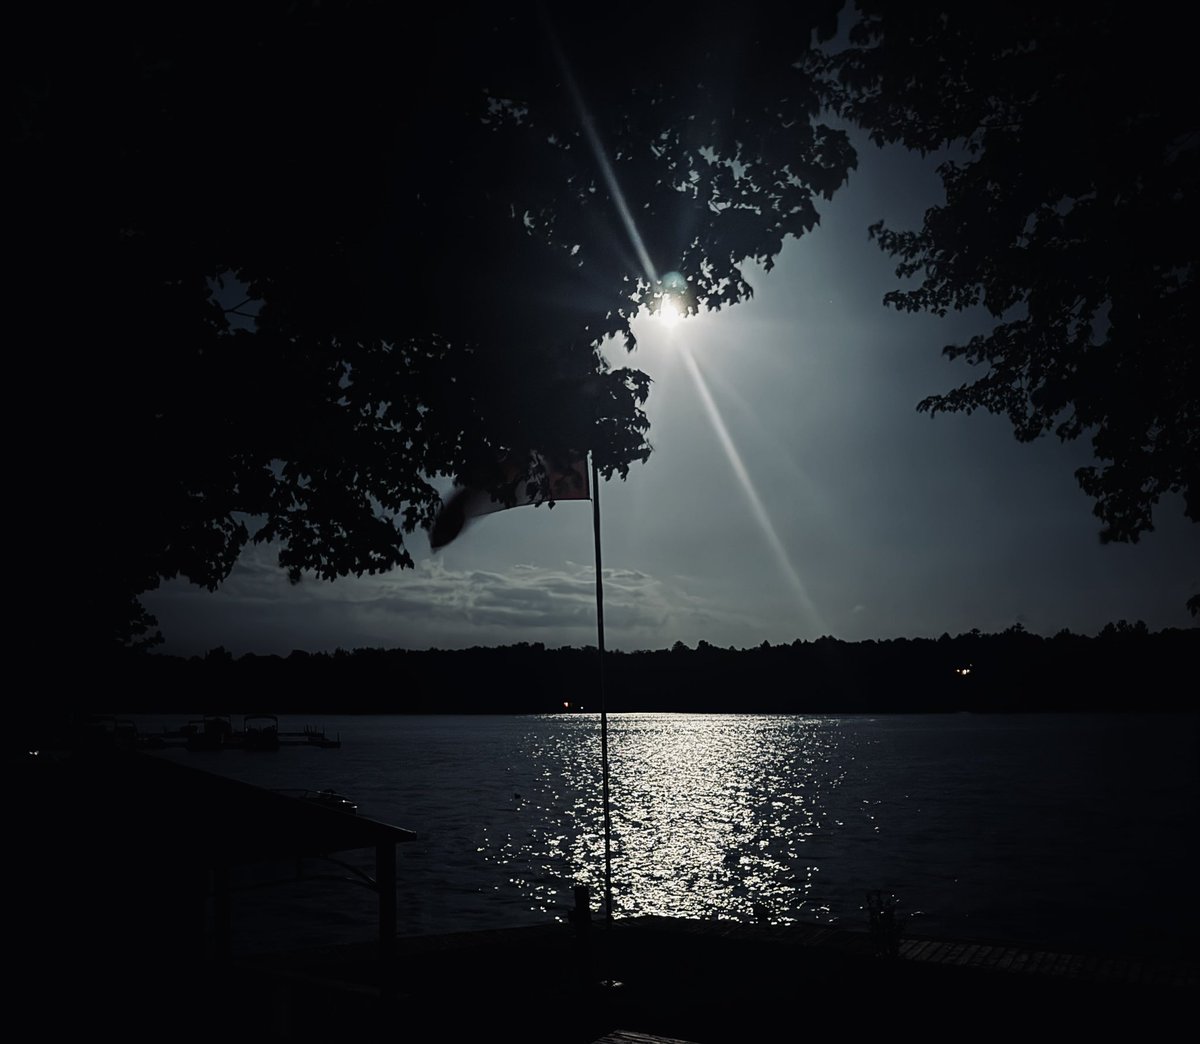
x,y
722,982
216,732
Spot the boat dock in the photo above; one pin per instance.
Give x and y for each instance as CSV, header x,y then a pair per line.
x,y
216,732
721,982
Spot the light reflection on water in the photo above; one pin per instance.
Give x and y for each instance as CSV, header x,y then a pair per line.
x,y
711,815
1074,829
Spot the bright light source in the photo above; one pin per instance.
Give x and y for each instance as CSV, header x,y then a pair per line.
x,y
672,299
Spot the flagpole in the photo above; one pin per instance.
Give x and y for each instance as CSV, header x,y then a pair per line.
x,y
608,904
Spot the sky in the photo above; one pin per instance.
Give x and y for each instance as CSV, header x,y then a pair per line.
x,y
793,492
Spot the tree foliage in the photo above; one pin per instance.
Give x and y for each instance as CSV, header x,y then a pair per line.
x,y
1014,670
282,266
309,257
1070,214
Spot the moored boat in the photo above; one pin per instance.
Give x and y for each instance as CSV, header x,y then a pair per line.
x,y
212,732
260,732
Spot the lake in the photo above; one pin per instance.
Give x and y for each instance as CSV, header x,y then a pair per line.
x,y
1064,830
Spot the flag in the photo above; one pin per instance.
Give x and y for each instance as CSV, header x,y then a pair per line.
x,y
566,479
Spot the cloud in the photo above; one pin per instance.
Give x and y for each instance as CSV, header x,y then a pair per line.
x,y
432,605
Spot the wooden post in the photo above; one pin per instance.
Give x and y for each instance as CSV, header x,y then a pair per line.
x,y
222,913
385,878
581,916
581,920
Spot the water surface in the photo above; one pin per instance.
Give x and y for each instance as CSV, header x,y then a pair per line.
x,y
1070,830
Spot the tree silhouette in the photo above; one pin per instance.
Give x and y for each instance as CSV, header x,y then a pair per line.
x,y
285,264
1070,215
281,266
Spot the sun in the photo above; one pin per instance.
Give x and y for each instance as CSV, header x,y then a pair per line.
x,y
669,312
672,299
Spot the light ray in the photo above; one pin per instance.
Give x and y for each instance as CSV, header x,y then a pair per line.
x,y
606,170
753,418
743,477
735,460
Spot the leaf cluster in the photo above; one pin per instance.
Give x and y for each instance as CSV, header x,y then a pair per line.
x,y
333,255
1070,167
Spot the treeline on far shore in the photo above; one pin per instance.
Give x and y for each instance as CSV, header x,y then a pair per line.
x,y
1125,668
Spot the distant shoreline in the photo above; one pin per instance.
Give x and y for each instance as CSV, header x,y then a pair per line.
x,y
1124,668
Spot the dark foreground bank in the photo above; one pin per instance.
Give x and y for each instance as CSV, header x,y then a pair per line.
x,y
710,982
115,862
